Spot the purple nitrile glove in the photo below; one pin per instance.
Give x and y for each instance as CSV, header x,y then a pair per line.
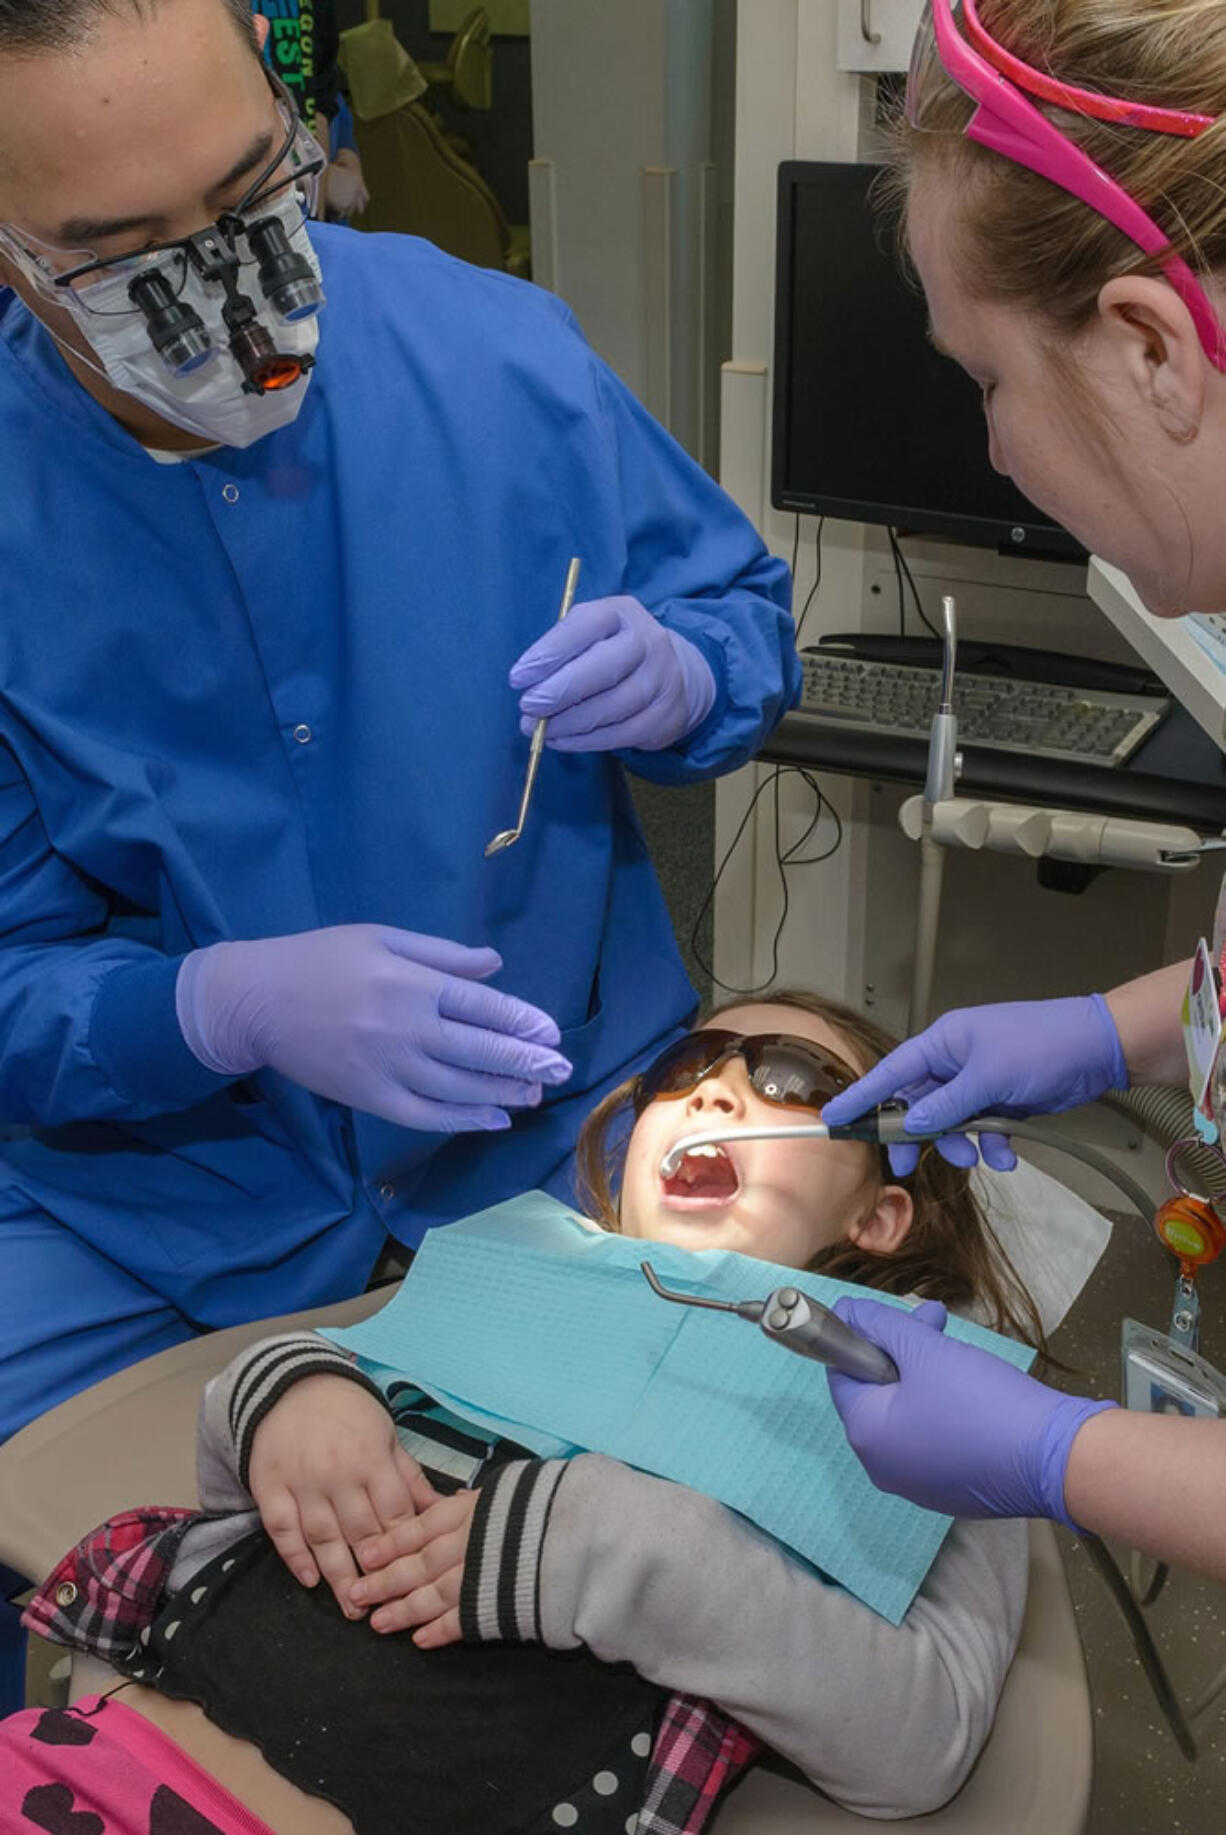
x,y
382,1020
961,1431
1022,1057
611,677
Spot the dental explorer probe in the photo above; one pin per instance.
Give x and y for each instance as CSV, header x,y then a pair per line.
x,y
507,836
886,1126
799,1323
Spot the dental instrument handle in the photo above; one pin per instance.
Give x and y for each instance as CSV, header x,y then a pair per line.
x,y
802,1324
799,1323
744,1309
887,1125
943,740
538,731
507,837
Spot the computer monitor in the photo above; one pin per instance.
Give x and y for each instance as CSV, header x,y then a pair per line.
x,y
871,423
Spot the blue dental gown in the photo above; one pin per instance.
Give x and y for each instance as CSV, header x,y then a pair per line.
x,y
266,690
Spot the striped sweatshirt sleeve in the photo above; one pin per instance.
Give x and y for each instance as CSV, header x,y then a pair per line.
x,y
588,1552
234,1404
500,1596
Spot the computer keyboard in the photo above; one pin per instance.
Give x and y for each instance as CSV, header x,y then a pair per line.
x,y
1086,726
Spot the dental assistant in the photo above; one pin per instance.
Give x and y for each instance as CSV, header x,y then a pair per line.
x,y
1064,167
265,570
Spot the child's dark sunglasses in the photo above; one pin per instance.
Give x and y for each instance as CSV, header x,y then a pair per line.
x,y
795,1073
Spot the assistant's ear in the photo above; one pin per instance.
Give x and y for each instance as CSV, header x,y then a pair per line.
x,y
884,1228
1150,337
262,29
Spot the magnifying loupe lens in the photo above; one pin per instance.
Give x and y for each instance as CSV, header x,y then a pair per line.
x,y
286,277
176,330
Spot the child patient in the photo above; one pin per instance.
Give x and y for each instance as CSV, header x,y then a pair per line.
x,y
660,1594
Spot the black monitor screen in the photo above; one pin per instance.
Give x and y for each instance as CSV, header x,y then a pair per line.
x,y
871,422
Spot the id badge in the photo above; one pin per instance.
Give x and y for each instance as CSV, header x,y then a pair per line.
x,y
1202,1035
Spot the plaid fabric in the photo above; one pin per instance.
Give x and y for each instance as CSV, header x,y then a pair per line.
x,y
105,1591
698,1753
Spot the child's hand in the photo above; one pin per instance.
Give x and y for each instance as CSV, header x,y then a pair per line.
x,y
327,1471
413,1572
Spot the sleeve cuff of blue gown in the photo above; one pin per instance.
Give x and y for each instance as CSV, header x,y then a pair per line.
x,y
683,751
136,1042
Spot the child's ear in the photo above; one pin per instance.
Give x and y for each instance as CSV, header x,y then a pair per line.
x,y
884,1228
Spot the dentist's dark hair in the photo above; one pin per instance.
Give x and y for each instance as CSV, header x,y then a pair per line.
x,y
33,27
950,1252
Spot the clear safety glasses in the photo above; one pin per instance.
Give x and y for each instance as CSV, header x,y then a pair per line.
x,y
795,1073
284,192
953,43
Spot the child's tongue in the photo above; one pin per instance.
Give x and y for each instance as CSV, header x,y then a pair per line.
x,y
703,1176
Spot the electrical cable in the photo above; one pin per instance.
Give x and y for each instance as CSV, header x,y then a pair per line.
x,y
901,568
1145,1592
817,578
1206,1700
784,858
1146,1649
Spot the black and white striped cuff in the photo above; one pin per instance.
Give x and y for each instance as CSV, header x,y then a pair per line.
x,y
275,1366
500,1592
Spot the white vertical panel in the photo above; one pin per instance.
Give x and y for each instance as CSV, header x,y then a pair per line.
x,y
744,421
706,352
659,290
543,214
792,103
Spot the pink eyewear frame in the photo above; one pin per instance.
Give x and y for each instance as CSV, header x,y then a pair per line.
x,y
1008,123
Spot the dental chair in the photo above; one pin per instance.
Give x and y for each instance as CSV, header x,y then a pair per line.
x,y
131,1440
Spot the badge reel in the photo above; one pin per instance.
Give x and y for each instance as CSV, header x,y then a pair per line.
x,y
1162,1371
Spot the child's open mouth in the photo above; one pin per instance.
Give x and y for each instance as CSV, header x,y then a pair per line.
x,y
706,1176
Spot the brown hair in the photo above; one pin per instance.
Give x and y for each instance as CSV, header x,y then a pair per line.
x,y
950,1252
1020,240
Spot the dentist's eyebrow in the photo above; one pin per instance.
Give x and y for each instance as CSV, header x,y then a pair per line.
x,y
80,232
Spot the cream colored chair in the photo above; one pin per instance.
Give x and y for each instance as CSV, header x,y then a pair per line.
x,y
129,1441
467,75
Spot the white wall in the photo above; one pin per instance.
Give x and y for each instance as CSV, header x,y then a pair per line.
x,y
624,193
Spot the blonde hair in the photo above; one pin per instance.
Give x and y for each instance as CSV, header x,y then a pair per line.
x,y
950,1253
1018,239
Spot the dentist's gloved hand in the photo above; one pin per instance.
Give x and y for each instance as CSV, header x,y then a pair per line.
x,y
1021,1057
382,1020
961,1431
610,677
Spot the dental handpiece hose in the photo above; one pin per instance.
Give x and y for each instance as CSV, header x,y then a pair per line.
x,y
888,1127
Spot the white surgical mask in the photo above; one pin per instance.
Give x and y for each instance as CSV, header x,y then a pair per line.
x,y
209,401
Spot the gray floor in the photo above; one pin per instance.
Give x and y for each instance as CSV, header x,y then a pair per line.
x,y
1143,1786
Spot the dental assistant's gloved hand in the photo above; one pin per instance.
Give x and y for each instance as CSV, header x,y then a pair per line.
x,y
611,677
961,1431
382,1020
1022,1057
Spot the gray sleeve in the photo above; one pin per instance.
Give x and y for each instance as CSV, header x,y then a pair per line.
x,y
236,1401
887,1720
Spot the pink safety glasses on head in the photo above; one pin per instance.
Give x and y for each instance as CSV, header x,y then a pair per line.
x,y
952,39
